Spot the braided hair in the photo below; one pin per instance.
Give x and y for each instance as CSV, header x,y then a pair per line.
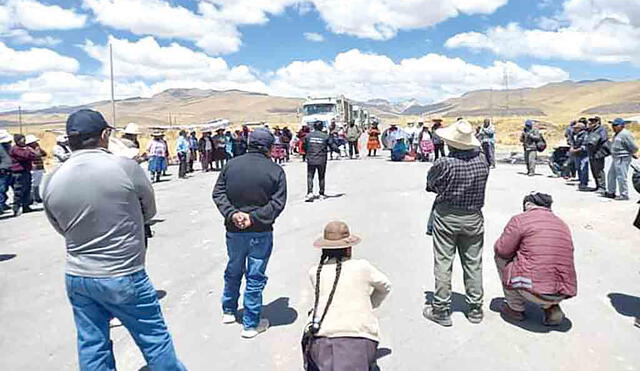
x,y
339,255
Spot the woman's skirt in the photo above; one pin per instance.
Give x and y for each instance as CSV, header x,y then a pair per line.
x,y
373,143
426,146
344,353
219,154
157,164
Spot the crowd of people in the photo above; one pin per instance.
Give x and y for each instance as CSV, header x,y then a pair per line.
x,y
587,146
106,243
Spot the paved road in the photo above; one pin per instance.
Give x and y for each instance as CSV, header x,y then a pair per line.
x,y
386,204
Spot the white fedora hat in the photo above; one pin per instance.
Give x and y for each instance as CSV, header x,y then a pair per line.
x,y
132,128
30,139
459,135
5,136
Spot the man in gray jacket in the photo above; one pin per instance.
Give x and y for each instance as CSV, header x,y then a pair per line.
x,y
99,202
623,149
529,138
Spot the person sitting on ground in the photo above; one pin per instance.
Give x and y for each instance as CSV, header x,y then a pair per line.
x,y
558,161
399,150
343,331
534,256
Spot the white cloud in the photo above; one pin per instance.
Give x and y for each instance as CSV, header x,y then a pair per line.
x,y
314,37
16,62
33,15
429,78
213,28
605,31
163,65
382,19
20,36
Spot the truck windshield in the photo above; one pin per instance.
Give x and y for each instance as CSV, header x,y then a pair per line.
x,y
314,109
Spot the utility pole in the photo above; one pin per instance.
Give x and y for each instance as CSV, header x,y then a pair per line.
x,y
20,117
113,100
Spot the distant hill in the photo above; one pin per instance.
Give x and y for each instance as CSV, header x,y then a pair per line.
x,y
554,103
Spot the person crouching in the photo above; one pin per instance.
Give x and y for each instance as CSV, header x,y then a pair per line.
x,y
534,256
343,332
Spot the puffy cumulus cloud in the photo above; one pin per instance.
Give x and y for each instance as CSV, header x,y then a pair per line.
x,y
174,64
213,27
314,37
34,60
382,19
604,31
33,15
429,78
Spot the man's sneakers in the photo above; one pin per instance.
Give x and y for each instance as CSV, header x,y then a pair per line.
x,y
441,317
309,198
322,197
553,316
622,198
510,314
228,318
475,315
250,333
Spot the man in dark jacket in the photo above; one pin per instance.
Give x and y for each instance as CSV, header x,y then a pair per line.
x,y
250,193
22,157
287,137
5,168
598,149
580,155
534,256
529,138
316,146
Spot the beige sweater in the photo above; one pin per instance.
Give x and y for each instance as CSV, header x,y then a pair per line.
x,y
361,288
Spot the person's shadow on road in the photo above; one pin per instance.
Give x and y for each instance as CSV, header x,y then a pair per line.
x,y
278,312
626,305
533,320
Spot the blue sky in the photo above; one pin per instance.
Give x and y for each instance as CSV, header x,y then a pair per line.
x,y
54,52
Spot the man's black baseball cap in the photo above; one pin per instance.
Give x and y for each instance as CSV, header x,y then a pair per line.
x,y
86,121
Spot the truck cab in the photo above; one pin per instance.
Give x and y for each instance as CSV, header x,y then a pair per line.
x,y
332,110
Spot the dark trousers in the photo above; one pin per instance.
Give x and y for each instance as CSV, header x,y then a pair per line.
x,y
287,153
5,183
582,164
192,158
489,150
353,147
21,189
344,353
439,150
182,170
311,173
597,169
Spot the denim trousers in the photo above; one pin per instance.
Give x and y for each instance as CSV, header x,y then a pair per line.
x,y
133,300
5,183
617,176
249,254
582,164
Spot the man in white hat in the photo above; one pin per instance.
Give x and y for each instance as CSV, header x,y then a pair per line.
x,y
460,181
5,169
130,135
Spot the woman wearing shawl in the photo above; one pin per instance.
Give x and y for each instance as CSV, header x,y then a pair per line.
x,y
373,144
157,152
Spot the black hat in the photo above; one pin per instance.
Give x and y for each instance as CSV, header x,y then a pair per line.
x,y
86,121
540,199
261,139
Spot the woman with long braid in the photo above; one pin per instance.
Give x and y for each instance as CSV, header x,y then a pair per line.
x,y
343,331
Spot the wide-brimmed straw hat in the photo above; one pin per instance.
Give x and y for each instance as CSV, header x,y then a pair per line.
x,y
337,236
132,128
459,135
30,139
5,136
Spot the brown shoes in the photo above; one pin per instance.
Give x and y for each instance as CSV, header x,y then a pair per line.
x,y
511,314
553,316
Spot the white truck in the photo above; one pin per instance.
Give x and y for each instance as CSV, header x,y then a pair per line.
x,y
332,110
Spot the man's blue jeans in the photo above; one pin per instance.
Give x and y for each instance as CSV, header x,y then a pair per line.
x,y
248,256
133,300
5,183
582,164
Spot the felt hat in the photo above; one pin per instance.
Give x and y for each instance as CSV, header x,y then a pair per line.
x,y
460,135
157,133
337,236
5,136
132,128
30,139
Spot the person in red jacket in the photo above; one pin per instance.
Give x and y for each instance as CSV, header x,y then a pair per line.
x,y
22,157
534,256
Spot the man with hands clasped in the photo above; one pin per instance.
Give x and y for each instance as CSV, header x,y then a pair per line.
x,y
250,193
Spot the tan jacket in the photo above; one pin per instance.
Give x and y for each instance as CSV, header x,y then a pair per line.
x,y
361,288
